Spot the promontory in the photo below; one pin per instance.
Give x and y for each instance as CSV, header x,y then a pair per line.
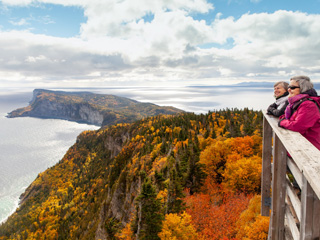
x,y
87,107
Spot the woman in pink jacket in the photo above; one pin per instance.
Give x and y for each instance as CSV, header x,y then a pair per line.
x,y
303,113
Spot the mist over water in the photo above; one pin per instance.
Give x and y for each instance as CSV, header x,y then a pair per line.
x,y
29,146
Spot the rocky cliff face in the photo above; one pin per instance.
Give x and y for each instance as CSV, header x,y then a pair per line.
x,y
79,112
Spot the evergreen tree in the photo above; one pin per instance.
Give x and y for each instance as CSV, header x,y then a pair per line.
x,y
149,213
175,194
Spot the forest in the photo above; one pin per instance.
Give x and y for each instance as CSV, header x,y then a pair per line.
x,y
187,176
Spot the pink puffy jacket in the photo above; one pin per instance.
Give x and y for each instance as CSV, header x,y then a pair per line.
x,y
305,120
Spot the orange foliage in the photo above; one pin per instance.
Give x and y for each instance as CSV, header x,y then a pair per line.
x,y
222,158
242,145
215,214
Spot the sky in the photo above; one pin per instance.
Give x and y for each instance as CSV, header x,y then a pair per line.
x,y
159,43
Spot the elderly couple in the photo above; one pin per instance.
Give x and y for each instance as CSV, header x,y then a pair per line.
x,y
297,108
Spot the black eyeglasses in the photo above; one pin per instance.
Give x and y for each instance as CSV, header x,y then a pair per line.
x,y
293,87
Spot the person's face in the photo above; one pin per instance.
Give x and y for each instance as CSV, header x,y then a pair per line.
x,y
292,90
279,90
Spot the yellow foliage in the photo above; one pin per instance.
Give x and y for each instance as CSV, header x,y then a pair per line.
x,y
162,195
176,130
156,140
179,145
244,174
213,156
159,163
138,137
126,233
258,230
251,225
204,142
177,227
156,150
219,128
168,130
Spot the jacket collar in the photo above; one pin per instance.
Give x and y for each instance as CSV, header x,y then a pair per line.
x,y
297,98
283,95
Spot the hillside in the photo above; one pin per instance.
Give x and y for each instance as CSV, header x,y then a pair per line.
x,y
98,109
128,181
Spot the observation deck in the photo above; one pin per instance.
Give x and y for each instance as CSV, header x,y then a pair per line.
x,y
290,186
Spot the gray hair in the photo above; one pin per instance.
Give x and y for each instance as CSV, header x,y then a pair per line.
x,y
282,84
304,82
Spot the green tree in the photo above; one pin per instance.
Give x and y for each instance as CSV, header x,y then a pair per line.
x,y
149,213
175,194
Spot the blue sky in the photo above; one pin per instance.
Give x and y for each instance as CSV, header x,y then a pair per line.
x,y
49,19
92,43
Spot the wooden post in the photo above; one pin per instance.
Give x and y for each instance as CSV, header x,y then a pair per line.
x,y
276,230
316,218
266,169
306,223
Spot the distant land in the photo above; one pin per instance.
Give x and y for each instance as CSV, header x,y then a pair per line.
x,y
87,107
242,84
254,85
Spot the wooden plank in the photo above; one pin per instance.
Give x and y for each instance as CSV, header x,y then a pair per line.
x,y
278,191
295,171
294,200
292,225
306,223
316,218
306,158
266,169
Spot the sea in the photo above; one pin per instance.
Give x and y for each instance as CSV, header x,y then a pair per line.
x,y
28,146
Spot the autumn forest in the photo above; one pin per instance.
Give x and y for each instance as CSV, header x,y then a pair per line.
x,y
188,176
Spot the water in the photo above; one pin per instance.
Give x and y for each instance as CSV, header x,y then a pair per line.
x,y
29,146
197,99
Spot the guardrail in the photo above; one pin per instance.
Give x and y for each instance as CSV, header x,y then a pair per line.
x,y
290,186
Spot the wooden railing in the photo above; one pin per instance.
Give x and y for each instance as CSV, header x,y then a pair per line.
x,y
290,186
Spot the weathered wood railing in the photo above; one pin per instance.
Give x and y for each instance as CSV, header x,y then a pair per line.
x,y
293,204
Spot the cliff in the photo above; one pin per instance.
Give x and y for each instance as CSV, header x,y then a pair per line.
x,y
97,109
135,173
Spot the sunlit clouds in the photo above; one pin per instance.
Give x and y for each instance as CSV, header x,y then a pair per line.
x,y
154,42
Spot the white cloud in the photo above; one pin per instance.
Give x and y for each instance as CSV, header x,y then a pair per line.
x,y
44,19
283,39
117,43
17,2
224,71
21,22
33,59
111,18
